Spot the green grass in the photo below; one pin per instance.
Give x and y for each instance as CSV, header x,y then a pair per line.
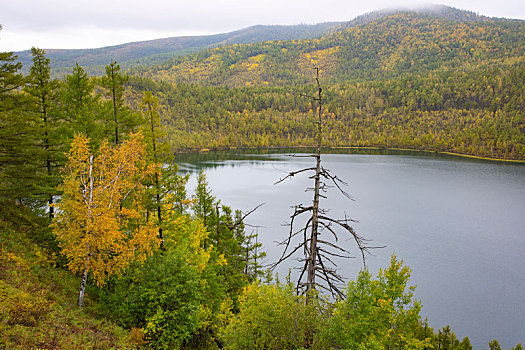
x,y
38,295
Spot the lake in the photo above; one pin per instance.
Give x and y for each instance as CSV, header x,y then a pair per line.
x,y
458,223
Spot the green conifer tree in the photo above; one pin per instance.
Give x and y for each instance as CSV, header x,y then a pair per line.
x,y
15,171
49,133
166,189
81,106
120,120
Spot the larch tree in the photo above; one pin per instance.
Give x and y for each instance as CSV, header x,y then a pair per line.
x,y
157,150
251,254
81,106
11,79
15,170
166,190
119,119
100,222
48,128
228,238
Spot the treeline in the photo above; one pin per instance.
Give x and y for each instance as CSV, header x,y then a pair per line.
x,y
475,112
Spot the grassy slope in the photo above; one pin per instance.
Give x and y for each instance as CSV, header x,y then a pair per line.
x,y
37,300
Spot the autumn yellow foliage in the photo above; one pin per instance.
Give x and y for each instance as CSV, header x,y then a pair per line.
x,y
100,224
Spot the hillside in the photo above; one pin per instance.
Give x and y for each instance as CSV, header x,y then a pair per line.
x,y
435,79
385,48
37,299
155,51
449,82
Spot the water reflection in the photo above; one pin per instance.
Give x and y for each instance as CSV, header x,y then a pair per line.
x,y
191,162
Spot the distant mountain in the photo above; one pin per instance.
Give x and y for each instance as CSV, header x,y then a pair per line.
x,y
434,11
377,46
156,51
367,46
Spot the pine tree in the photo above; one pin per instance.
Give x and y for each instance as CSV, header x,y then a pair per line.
x,y
251,253
226,235
205,203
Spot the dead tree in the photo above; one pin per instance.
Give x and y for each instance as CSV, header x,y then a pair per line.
x,y
319,252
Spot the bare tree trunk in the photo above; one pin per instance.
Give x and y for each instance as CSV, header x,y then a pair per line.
x,y
157,189
83,281
157,180
312,258
318,253
159,208
48,160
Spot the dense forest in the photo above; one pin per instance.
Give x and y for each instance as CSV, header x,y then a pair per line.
x,y
405,80
102,247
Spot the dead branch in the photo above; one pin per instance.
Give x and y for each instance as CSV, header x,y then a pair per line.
x,y
241,220
292,174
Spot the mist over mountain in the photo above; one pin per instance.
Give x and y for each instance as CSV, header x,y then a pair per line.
x,y
152,52
377,46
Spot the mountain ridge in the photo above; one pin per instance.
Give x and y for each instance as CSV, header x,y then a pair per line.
x,y
386,47
156,51
164,48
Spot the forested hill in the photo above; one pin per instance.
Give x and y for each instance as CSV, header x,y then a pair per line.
x,y
435,79
155,51
436,11
440,80
391,46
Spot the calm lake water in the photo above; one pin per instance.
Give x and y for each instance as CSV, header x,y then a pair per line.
x,y
458,223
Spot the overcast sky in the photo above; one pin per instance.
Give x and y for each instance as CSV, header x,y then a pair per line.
x,y
96,23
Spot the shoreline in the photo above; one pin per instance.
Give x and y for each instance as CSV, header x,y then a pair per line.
x,y
206,150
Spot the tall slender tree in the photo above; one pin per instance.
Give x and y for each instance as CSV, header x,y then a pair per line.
x,y
120,120
157,151
80,105
48,128
14,129
319,252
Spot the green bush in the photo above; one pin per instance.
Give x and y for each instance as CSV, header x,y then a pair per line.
x,y
162,297
377,314
272,317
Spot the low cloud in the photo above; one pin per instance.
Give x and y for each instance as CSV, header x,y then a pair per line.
x,y
66,23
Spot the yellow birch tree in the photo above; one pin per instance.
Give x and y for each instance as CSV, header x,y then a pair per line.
x,y
100,222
